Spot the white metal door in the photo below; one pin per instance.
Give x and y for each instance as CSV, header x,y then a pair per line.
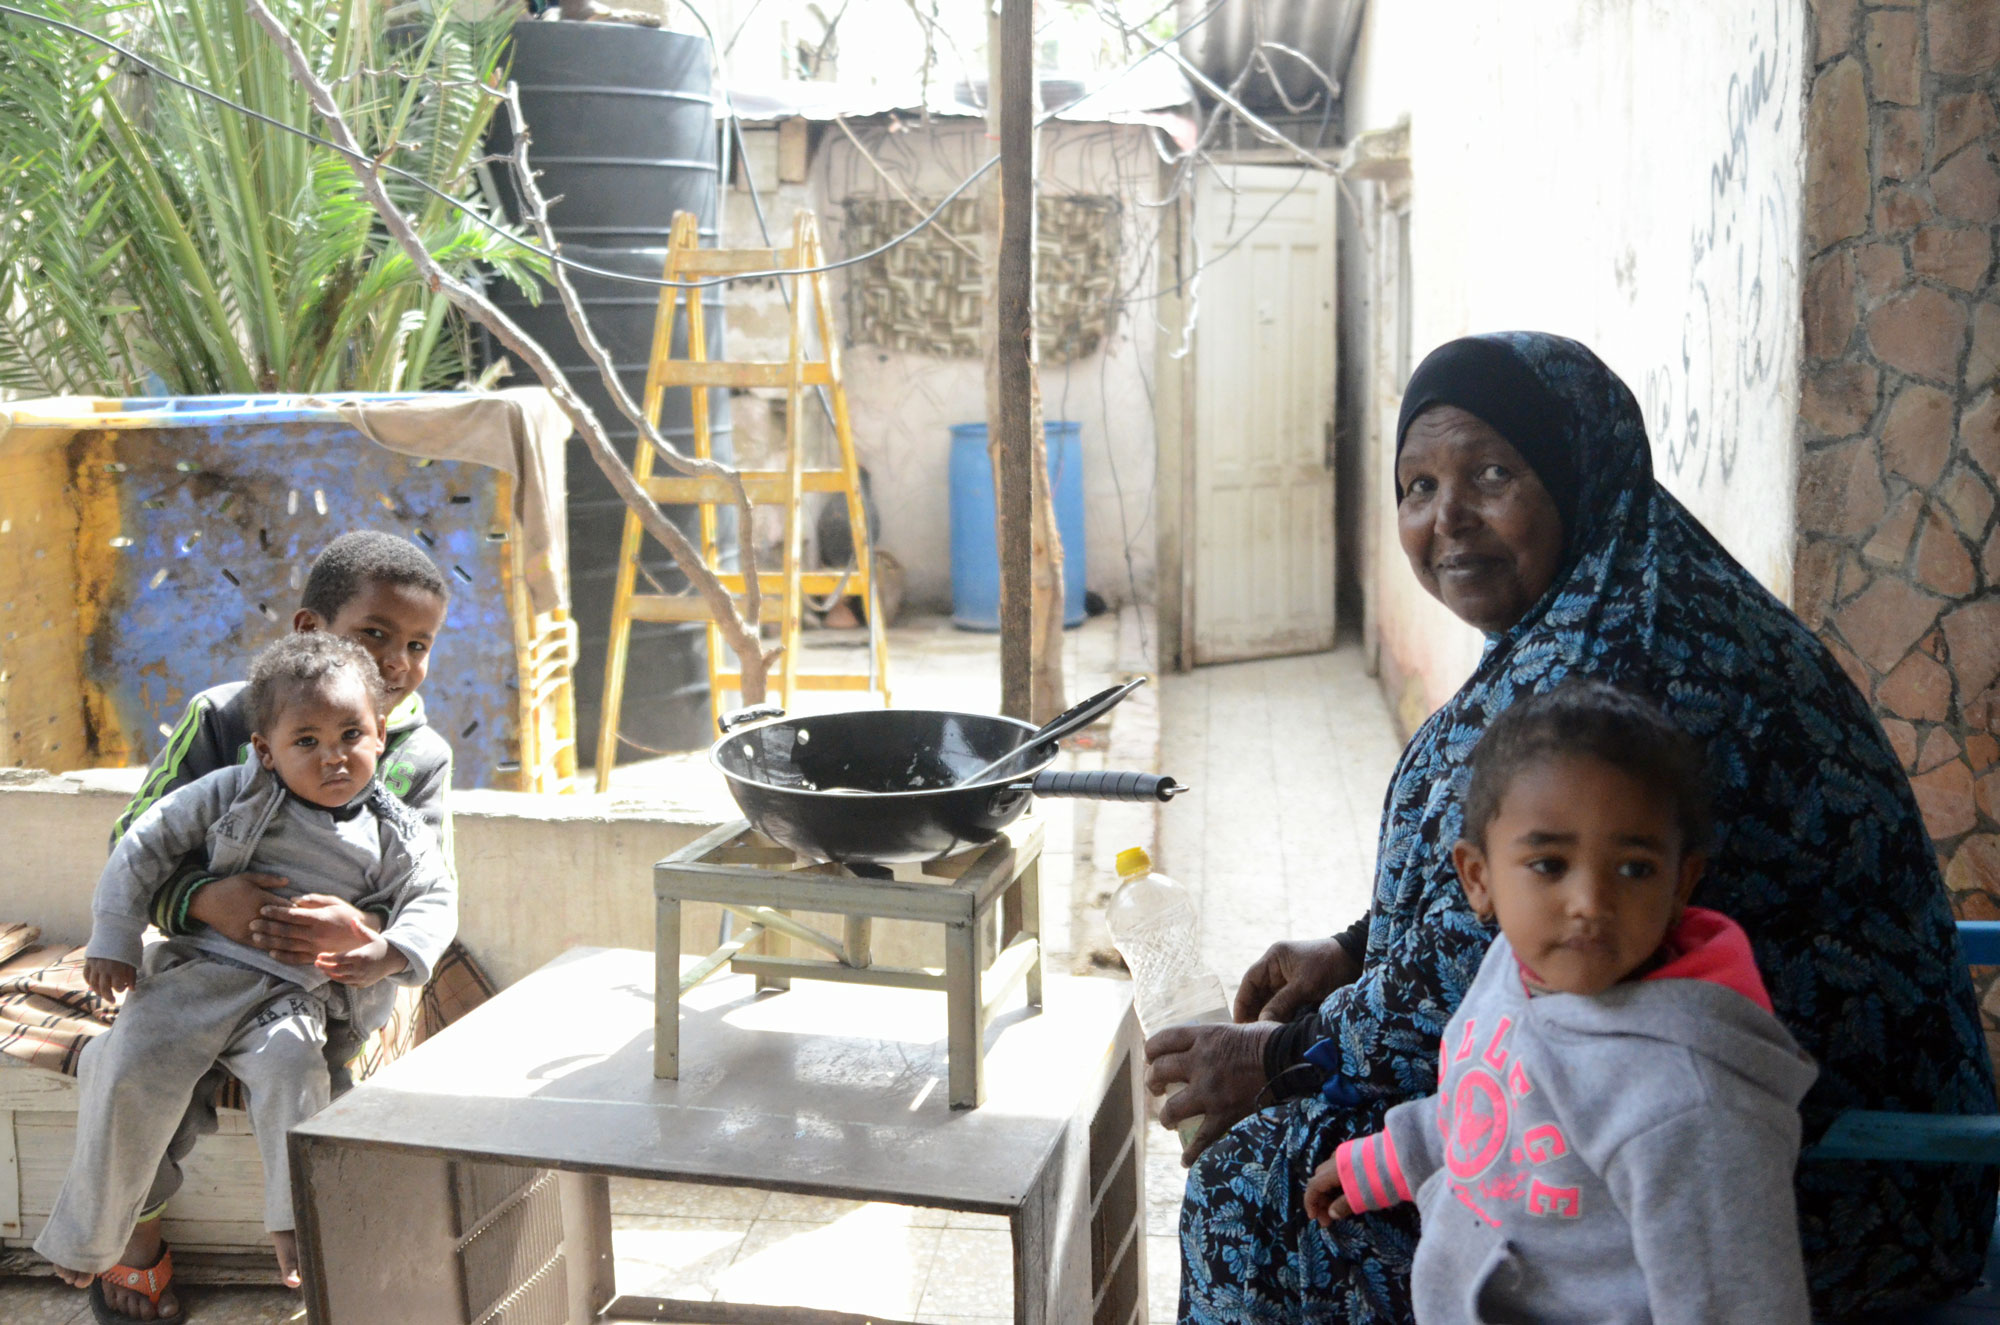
x,y
1263,384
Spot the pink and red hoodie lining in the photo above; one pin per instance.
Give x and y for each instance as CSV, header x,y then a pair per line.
x,y
1708,945
1705,945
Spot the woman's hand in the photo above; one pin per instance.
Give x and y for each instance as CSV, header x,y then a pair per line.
x,y
107,978
310,927
1222,1068
1326,1195
1291,976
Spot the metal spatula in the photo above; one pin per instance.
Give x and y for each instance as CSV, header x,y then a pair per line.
x,y
1074,718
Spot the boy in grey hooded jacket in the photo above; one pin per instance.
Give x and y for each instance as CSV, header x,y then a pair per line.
x,y
1616,1122
310,809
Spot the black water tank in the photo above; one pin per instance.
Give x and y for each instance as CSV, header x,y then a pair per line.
x,y
623,133
623,129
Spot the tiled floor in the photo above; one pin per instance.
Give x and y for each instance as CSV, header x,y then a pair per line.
x,y
46,1302
901,1262
737,1245
1290,758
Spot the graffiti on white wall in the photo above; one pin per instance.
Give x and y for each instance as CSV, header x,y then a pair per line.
x,y
1739,327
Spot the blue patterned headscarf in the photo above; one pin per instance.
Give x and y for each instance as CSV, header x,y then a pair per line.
x,y
1821,853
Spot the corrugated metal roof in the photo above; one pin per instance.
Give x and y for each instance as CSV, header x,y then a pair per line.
x,y
1322,31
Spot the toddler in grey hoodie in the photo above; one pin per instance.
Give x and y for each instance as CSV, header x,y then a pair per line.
x,y
1616,1121
309,809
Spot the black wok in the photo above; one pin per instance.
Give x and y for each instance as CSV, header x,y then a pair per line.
x,y
876,786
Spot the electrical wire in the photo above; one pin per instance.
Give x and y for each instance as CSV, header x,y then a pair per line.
x,y
657,282
741,24
1235,244
735,131
1121,301
1102,159
1124,167
554,256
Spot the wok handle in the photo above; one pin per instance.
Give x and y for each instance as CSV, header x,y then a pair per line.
x,y
735,718
1107,785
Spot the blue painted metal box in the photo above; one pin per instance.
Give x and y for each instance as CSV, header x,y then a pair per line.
x,y
149,548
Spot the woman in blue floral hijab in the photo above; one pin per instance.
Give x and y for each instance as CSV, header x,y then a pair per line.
x,y
1527,504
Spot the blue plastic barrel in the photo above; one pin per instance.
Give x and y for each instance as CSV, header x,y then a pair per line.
x,y
975,552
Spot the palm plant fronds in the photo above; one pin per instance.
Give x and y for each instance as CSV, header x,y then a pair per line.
x,y
150,237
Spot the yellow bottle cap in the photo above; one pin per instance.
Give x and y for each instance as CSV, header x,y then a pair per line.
x,y
1134,860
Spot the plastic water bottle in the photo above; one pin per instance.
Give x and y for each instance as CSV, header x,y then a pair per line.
x,y
1153,923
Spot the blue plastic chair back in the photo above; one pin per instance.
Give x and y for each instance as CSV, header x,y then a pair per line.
x,y
1931,1138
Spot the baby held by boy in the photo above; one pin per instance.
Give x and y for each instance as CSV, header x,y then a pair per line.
x,y
308,807
1616,1122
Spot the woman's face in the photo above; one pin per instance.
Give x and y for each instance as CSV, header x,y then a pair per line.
x,y
1480,530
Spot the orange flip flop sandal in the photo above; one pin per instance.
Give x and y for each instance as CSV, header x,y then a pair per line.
x,y
149,1282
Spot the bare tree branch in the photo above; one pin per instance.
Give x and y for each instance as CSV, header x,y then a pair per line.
x,y
474,304
901,192
826,42
1259,60
1326,80
536,208
1225,96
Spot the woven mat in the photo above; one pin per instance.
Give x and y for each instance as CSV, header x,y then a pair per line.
x,y
47,1012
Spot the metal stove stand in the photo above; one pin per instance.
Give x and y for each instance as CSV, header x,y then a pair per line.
x,y
763,883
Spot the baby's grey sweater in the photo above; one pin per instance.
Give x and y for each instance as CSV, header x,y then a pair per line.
x,y
374,853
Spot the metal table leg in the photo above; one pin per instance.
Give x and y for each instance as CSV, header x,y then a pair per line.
x,y
963,1017
1030,885
666,976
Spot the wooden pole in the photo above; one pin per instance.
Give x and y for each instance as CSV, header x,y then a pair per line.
x,y
989,290
1014,300
1045,678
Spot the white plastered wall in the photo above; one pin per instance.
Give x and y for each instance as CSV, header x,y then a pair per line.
x,y
1626,174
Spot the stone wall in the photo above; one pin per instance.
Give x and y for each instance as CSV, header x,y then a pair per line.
x,y
1898,564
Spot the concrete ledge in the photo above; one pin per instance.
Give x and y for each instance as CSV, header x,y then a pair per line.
x,y
538,875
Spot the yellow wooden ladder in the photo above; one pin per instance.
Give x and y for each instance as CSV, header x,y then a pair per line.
x,y
784,589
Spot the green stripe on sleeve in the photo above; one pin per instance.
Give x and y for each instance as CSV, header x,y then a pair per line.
x,y
170,762
181,923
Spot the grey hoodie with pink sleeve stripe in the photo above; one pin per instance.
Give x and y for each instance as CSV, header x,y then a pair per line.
x,y
1623,1158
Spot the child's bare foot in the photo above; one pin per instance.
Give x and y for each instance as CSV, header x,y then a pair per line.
x,y
286,1244
74,1278
142,1252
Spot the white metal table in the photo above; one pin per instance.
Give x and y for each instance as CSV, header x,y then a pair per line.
x,y
988,901
468,1178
